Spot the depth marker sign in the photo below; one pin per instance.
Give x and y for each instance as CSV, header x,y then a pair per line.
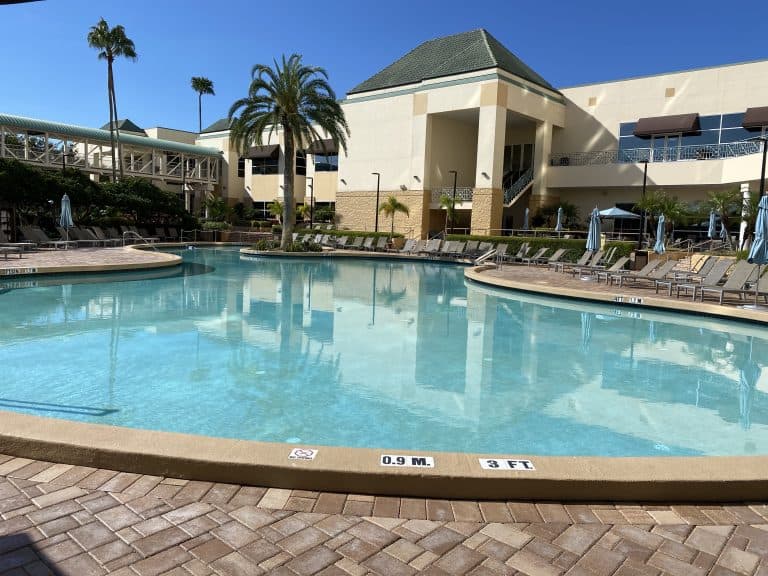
x,y
398,461
506,464
302,454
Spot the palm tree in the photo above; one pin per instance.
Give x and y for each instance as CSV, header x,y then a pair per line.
x,y
201,85
724,203
112,43
447,202
658,202
276,210
297,99
391,207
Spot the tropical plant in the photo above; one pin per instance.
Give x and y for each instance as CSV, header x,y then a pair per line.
x,y
448,203
548,215
112,43
659,202
304,212
296,99
201,85
725,203
217,209
391,207
751,208
276,210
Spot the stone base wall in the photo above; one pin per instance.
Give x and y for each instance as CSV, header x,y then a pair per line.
x,y
487,210
357,211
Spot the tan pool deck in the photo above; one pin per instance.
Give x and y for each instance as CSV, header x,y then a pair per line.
x,y
58,517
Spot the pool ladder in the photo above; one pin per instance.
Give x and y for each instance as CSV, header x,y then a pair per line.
x,y
131,233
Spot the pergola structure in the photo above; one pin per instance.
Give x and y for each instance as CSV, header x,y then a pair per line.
x,y
57,145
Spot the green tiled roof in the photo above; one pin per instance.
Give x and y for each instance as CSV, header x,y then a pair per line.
x,y
126,125
457,54
96,134
218,126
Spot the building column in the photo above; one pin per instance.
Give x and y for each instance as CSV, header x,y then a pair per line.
x,y
487,197
542,150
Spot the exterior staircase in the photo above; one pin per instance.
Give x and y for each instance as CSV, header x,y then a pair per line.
x,y
518,188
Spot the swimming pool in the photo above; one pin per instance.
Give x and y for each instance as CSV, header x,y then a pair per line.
x,y
372,353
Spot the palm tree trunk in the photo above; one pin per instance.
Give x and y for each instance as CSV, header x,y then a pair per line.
x,y
289,206
111,121
199,112
117,130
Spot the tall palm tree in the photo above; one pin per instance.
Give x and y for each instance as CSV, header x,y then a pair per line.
x,y
391,207
297,99
447,202
112,43
201,85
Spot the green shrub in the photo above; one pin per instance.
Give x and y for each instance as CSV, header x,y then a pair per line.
x,y
277,229
304,247
356,233
215,225
265,244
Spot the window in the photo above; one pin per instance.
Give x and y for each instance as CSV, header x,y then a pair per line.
x,y
262,166
241,167
326,162
301,163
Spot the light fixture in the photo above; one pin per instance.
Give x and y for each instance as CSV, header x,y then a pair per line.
x,y
417,179
403,187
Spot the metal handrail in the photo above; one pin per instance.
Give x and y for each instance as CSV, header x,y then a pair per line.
x,y
672,154
520,184
140,237
463,193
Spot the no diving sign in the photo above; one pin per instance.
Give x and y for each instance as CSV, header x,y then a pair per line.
x,y
302,454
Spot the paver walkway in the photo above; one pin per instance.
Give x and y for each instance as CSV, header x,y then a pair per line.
x,y
73,520
80,257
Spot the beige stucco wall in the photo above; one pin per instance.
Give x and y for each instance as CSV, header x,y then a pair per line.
x,y
264,187
231,187
326,185
172,134
357,211
719,90
453,146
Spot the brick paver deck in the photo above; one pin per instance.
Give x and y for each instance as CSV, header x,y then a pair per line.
x,y
79,521
45,259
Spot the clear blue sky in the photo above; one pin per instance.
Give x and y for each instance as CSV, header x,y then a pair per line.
x,y
48,71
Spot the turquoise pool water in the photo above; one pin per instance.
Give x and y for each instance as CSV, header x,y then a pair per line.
x,y
373,353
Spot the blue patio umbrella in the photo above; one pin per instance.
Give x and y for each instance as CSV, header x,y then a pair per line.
x,y
559,225
712,226
659,246
593,236
758,252
65,219
525,219
724,233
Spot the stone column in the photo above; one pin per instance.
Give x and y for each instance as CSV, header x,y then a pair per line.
x,y
487,197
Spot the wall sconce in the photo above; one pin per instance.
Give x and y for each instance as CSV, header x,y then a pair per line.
x,y
343,181
485,175
403,187
417,179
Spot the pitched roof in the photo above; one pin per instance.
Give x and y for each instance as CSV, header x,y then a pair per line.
x,y
218,126
125,125
450,55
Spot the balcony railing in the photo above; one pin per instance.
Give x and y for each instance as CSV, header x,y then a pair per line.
x,y
463,194
672,154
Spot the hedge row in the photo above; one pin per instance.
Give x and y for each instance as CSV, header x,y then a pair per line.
x,y
575,247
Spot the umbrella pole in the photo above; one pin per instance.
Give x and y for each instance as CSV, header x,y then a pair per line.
x,y
757,285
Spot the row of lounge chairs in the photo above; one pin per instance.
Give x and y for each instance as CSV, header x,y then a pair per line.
x,y
77,237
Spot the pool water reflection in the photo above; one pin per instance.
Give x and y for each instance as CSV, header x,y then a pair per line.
x,y
374,353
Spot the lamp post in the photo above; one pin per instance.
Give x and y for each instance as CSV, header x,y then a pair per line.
x,y
645,216
311,200
66,152
378,181
453,201
764,140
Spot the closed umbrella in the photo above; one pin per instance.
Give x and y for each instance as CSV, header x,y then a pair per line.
x,y
724,233
559,225
593,235
659,246
65,219
525,219
712,226
758,253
